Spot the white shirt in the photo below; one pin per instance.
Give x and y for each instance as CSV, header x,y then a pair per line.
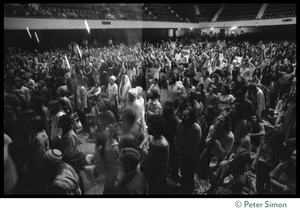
x,y
112,90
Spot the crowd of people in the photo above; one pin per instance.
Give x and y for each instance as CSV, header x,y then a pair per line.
x,y
99,11
221,110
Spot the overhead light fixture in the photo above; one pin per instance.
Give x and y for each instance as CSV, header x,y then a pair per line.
x,y
234,27
191,28
211,28
178,29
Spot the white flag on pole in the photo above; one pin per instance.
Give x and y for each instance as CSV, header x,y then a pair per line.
x,y
87,26
37,38
67,62
28,32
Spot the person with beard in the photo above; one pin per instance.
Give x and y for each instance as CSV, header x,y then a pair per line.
x,y
219,142
104,116
158,155
187,143
220,138
225,100
153,105
169,132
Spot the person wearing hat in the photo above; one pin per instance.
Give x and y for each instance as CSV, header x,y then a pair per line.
x,y
130,181
59,177
112,94
229,178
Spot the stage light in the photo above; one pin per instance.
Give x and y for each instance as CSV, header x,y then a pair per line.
x,y
28,32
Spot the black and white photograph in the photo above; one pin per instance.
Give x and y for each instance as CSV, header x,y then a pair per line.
x,y
150,100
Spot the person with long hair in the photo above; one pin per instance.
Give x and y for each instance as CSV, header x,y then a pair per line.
x,y
225,99
187,86
164,88
104,116
242,136
108,149
124,87
218,143
187,143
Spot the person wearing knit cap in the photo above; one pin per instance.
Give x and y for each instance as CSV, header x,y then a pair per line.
x,y
229,178
169,133
54,155
59,176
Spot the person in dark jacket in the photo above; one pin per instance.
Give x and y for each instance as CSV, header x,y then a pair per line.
x,y
169,132
158,155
